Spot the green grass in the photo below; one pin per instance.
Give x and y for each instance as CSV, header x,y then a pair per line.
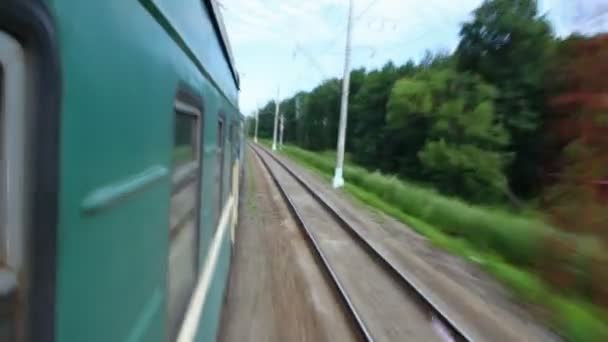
x,y
517,238
502,243
330,155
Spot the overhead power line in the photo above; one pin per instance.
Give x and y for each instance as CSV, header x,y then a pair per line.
x,y
311,60
357,17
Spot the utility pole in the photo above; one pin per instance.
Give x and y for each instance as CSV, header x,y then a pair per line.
x,y
338,176
282,119
276,119
257,116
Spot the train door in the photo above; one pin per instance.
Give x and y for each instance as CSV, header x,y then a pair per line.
x,y
184,212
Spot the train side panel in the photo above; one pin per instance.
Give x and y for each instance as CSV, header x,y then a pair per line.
x,y
191,20
122,66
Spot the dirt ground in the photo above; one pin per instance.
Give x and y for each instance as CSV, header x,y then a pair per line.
x,y
276,291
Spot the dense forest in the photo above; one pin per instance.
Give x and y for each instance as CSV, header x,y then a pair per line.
x,y
515,115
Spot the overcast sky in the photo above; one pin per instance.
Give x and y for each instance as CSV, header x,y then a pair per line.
x,y
295,44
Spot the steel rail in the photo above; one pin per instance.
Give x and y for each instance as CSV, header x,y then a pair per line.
x,y
445,318
344,297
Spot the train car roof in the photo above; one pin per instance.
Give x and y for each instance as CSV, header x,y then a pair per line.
x,y
218,24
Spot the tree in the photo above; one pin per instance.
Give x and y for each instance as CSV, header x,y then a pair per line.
x,y
374,145
288,110
577,193
320,116
266,120
459,140
509,44
577,199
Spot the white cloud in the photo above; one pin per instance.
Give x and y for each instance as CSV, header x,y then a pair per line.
x,y
264,34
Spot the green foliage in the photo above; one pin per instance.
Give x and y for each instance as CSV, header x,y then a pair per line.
x,y
373,144
466,170
320,115
509,45
266,121
515,238
463,142
410,97
579,321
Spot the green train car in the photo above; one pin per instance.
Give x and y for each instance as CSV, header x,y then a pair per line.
x,y
120,162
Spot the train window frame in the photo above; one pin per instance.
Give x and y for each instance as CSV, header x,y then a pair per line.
x,y
13,178
3,196
184,175
231,153
233,149
220,160
12,117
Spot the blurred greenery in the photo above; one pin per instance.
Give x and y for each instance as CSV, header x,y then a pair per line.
x,y
497,152
518,239
462,153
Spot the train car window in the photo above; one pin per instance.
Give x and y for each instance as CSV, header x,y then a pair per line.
x,y
234,137
185,139
219,170
184,215
6,323
2,171
232,145
13,225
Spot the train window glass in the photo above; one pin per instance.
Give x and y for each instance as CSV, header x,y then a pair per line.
x,y
233,137
184,214
13,228
233,147
2,168
219,171
232,142
185,142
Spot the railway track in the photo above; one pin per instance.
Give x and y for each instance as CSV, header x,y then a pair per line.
x,y
383,303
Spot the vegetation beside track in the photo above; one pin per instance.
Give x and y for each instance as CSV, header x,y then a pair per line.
x,y
506,245
511,150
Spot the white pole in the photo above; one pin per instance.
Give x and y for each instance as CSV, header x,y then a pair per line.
x,y
338,176
276,119
255,137
282,129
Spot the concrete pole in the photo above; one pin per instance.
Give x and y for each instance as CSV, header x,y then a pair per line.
x,y
276,119
282,129
338,176
257,115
